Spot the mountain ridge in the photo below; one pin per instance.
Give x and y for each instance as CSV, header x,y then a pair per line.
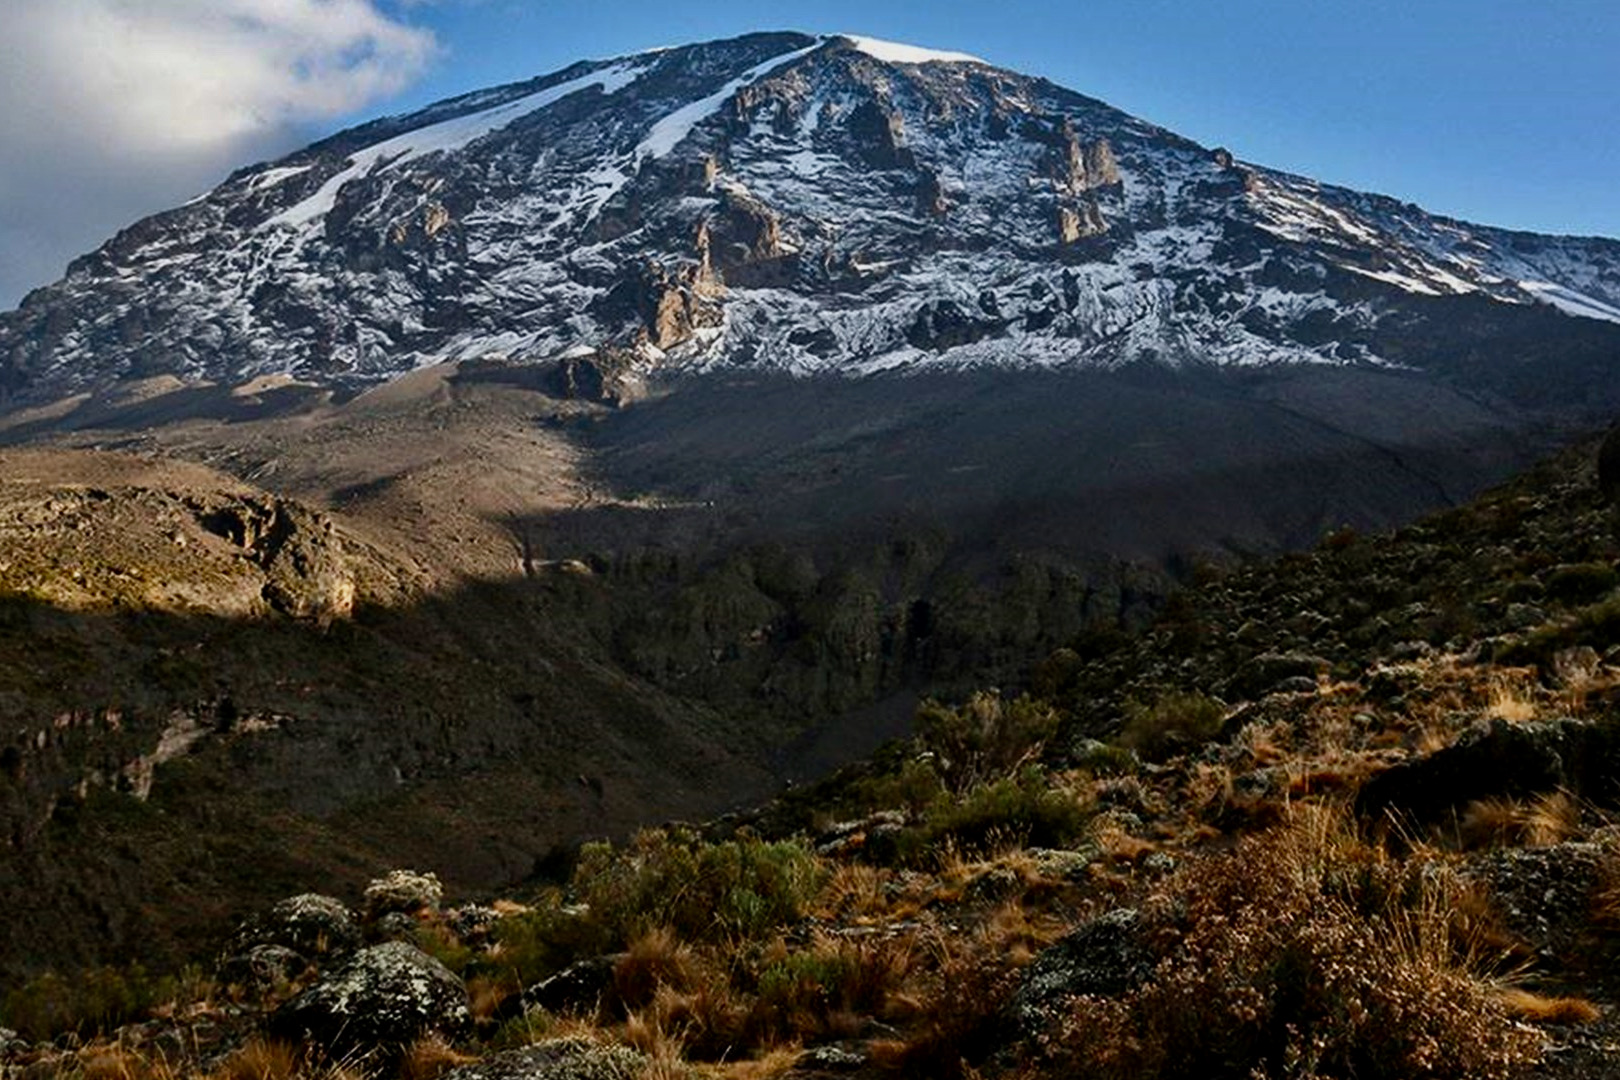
x,y
774,201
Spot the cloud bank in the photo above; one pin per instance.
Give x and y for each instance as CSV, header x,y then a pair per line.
x,y
110,109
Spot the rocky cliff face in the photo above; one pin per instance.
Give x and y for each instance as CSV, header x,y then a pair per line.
x,y
785,202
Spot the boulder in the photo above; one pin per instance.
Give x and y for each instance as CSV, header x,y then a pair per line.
x,y
1545,895
403,891
1266,671
262,968
1104,957
383,999
556,1059
577,988
1498,760
309,924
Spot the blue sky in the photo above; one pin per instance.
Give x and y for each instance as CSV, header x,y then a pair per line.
x,y
1506,113
1494,111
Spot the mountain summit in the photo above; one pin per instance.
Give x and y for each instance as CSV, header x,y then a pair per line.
x,y
803,204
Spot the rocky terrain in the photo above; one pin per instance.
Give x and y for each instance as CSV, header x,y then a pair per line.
x,y
1346,813
629,444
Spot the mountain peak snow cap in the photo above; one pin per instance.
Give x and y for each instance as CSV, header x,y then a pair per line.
x,y
894,52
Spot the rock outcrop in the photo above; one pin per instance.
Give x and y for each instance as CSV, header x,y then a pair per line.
x,y
379,1002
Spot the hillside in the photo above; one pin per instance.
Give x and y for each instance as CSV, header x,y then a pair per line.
x,y
1340,814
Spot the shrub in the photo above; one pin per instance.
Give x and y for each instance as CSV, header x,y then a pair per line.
x,y
985,738
914,786
93,1002
1014,811
701,891
813,993
1302,953
1174,722
532,944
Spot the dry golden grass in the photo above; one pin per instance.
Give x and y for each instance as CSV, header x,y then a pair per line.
x,y
768,1066
1120,845
646,1032
854,891
655,959
260,1059
1511,699
1541,822
485,993
1361,948
1537,1009
1014,934
119,1063
507,908
430,1058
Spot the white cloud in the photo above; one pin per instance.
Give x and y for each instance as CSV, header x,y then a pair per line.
x,y
114,108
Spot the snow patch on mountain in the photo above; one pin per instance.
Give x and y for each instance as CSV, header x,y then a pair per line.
x,y
443,137
1571,302
669,132
894,52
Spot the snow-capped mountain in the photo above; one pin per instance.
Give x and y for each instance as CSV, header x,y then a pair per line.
x,y
798,203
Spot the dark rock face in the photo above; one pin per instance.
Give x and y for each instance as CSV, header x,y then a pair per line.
x,y
383,999
296,547
608,376
1500,760
1104,957
1608,466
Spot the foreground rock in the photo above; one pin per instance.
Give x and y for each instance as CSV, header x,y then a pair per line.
x,y
557,1059
1104,957
378,1003
308,925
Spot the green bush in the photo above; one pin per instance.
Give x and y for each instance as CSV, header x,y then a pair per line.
x,y
985,738
801,995
1174,722
1010,812
702,891
543,940
1102,759
92,1002
913,787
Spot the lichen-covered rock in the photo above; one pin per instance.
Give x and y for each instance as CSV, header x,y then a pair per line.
x,y
1103,957
577,987
262,968
1545,894
556,1059
384,998
473,923
404,891
394,926
309,924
